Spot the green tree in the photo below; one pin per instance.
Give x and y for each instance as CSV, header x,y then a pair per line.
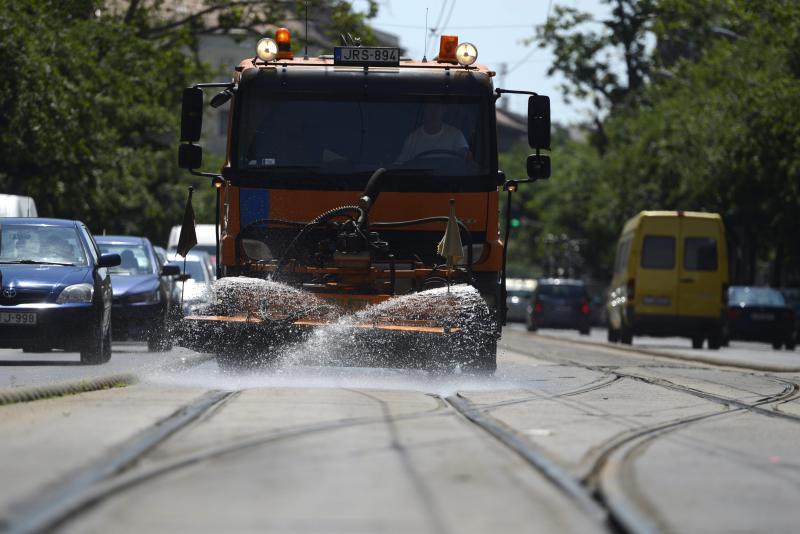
x,y
90,102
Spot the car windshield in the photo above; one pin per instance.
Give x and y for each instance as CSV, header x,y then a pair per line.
x,y
755,296
194,268
40,244
561,290
519,293
339,136
134,258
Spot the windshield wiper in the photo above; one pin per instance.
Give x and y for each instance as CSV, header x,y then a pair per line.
x,y
36,262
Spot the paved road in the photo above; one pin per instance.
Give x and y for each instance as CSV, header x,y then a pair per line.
x,y
566,437
739,353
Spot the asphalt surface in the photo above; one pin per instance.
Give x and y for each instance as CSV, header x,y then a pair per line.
x,y
567,436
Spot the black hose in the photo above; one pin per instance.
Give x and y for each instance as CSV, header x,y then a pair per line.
x,y
319,220
371,191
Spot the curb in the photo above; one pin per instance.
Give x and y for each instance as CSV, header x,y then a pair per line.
x,y
755,366
84,385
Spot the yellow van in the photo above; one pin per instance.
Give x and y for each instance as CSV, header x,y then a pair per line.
x,y
670,278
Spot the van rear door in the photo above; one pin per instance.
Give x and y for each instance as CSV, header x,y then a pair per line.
x,y
656,279
699,268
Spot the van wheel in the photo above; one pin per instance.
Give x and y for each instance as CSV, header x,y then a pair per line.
x,y
715,340
585,331
697,342
613,335
790,345
626,336
777,345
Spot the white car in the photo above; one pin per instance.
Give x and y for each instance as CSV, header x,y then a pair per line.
x,y
200,275
206,241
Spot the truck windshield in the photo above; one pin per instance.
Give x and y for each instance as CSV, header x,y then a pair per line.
x,y
438,136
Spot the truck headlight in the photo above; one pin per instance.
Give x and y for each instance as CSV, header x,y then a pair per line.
x,y
76,293
466,54
150,297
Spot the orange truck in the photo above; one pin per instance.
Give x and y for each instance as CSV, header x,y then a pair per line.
x,y
340,176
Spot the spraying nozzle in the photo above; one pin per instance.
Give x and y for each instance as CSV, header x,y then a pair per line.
x,y
370,195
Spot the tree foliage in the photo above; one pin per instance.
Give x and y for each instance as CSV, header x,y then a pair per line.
x,y
715,127
90,101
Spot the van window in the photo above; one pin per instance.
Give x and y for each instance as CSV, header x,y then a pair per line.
x,y
658,252
700,254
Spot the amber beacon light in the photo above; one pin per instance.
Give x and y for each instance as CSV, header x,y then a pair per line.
x,y
447,49
284,40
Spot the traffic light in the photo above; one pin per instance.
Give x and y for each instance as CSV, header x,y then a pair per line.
x,y
515,222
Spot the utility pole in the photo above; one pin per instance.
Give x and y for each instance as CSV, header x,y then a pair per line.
x,y
503,71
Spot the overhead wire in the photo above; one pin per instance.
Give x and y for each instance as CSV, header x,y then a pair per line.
x,y
435,27
527,56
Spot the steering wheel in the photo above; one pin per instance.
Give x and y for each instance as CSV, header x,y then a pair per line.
x,y
438,152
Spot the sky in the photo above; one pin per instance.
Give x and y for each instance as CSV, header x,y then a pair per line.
x,y
496,28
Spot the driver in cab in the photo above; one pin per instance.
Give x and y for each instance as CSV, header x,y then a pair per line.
x,y
434,138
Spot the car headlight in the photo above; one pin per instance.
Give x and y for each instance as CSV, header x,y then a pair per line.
x,y
150,297
76,293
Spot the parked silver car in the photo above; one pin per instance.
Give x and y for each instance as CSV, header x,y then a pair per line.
x,y
518,297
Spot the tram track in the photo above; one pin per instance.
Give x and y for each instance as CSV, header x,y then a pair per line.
x,y
605,471
118,472
599,491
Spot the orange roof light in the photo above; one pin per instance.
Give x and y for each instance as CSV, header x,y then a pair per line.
x,y
447,49
284,40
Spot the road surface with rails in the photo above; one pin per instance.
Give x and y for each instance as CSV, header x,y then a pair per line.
x,y
567,436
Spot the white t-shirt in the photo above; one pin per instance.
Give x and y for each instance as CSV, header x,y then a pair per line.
x,y
419,142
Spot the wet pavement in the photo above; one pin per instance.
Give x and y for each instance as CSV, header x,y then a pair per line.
x,y
564,437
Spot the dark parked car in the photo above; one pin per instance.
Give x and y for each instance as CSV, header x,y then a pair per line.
x,y
142,291
560,303
792,296
760,314
56,288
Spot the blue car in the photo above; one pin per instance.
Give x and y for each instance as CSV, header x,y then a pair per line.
x,y
142,291
55,288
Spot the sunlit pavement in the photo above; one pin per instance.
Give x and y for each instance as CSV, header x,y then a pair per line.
x,y
18,368
666,444
739,353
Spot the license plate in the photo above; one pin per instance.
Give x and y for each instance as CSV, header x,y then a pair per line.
x,y
563,309
763,317
366,55
17,318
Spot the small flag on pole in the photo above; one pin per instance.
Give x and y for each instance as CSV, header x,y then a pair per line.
x,y
188,237
450,247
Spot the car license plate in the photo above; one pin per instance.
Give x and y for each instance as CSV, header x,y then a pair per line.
x,y
763,317
366,55
17,318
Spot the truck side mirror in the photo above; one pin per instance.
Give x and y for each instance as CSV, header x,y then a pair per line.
x,y
539,122
190,156
191,114
538,167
